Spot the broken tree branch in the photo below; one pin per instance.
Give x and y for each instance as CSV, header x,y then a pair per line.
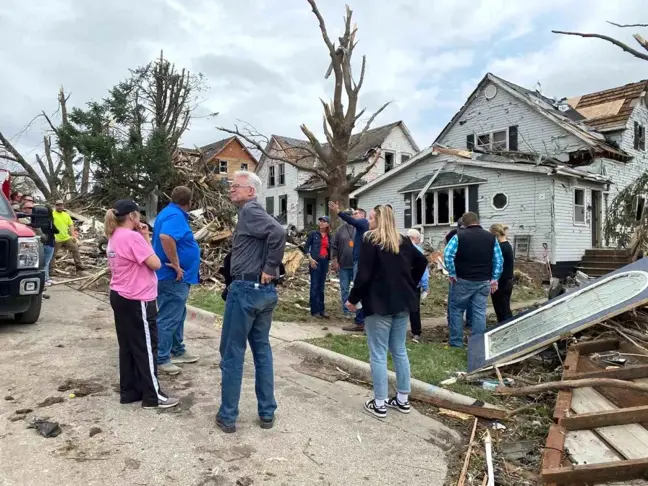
x,y
571,385
464,469
609,39
31,173
627,25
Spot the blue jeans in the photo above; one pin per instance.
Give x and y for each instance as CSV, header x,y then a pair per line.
x,y
172,311
359,317
248,317
466,294
346,277
469,310
49,253
317,284
388,333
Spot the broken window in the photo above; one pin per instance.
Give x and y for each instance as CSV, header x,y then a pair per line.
x,y
282,174
579,206
419,211
443,203
389,161
639,136
459,206
283,209
429,208
499,141
500,200
244,167
405,158
271,176
222,166
493,141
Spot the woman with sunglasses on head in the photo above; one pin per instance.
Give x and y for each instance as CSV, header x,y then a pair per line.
x,y
389,271
133,290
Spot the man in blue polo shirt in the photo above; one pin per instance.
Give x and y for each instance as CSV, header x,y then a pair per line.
x,y
175,245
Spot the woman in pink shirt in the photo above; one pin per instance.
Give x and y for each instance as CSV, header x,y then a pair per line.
x,y
133,290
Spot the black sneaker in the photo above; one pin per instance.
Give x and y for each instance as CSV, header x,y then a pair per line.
x,y
167,402
416,338
380,412
228,429
401,407
266,423
324,315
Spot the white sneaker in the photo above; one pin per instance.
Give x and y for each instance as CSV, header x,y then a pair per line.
x,y
48,283
169,369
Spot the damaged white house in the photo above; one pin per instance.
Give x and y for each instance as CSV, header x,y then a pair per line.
x,y
547,169
298,197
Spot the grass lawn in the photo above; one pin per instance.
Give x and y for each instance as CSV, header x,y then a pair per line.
x,y
205,299
430,362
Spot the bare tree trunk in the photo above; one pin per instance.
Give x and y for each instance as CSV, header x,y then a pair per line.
x,y
67,149
18,158
85,176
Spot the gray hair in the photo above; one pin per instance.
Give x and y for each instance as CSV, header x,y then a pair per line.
x,y
414,234
252,178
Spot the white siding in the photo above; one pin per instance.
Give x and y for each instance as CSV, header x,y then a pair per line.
x,y
528,211
572,238
396,142
536,133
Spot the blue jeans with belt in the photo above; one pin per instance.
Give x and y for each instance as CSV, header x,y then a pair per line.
x,y
248,317
317,285
172,311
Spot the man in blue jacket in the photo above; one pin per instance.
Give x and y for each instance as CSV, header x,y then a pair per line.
x,y
360,222
175,245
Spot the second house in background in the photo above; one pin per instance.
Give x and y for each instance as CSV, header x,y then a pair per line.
x,y
223,158
298,197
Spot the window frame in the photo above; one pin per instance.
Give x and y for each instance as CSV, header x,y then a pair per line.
x,y
281,175
451,222
491,136
244,166
493,201
272,177
584,206
393,164
405,154
220,166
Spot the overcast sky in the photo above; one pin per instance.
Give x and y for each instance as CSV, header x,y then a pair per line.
x,y
265,60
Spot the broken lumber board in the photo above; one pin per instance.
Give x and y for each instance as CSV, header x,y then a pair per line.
x,y
597,473
596,346
554,450
621,398
625,373
631,441
570,365
585,447
563,404
482,412
615,293
592,420
571,385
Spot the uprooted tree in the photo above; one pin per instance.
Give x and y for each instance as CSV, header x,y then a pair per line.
x,y
62,172
130,137
327,160
625,214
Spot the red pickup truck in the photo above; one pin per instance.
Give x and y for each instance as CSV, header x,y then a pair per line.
x,y
21,268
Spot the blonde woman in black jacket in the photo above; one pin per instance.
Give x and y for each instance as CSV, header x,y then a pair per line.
x,y
389,270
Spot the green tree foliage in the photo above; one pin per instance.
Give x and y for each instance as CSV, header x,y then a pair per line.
x,y
131,136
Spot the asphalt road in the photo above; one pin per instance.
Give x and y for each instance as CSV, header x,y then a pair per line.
x,y
322,435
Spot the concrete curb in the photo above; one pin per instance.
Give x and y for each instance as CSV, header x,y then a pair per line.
x,y
363,370
200,316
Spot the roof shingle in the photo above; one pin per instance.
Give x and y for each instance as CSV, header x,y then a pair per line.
x,y
610,109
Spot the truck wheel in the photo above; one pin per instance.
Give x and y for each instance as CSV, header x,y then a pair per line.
x,y
32,314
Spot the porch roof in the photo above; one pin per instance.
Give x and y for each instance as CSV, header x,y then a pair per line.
x,y
444,179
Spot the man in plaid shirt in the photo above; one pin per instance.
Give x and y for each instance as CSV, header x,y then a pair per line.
x,y
474,261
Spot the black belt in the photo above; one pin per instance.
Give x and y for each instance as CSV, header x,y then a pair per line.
x,y
247,277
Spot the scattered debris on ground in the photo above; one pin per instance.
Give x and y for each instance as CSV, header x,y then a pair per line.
x,y
94,431
45,427
49,401
81,388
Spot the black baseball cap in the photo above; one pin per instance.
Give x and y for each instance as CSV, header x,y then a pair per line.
x,y
124,207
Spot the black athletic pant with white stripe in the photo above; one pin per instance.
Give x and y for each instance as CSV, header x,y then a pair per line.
x,y
136,324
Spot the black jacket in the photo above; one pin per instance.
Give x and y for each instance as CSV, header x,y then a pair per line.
x,y
386,282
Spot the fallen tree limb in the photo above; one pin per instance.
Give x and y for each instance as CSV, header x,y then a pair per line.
x,y
477,411
570,385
